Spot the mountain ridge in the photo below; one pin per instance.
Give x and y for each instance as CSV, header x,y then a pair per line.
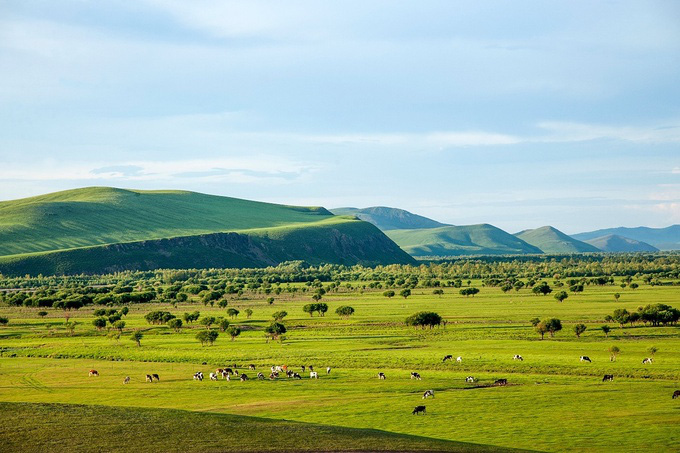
x,y
551,240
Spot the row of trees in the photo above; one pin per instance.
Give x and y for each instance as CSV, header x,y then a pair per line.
x,y
652,314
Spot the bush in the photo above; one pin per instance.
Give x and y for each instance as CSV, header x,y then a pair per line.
x,y
579,329
389,294
4,321
42,314
191,317
405,293
99,323
119,325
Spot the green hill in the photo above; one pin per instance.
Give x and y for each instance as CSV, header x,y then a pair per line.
x,y
616,243
481,239
104,230
552,240
662,238
390,218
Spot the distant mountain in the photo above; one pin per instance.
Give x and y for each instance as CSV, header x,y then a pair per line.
x,y
552,240
481,239
662,238
100,229
390,218
616,243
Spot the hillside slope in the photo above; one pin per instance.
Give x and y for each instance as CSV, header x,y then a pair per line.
x,y
337,240
481,239
390,218
662,238
615,243
103,215
552,240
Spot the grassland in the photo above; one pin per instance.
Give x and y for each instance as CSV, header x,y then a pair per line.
x,y
553,401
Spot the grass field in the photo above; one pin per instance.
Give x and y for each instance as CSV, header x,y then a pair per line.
x,y
553,401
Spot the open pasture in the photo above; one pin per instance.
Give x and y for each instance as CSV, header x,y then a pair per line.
x,y
553,402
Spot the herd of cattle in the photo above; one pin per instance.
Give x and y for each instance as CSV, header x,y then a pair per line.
x,y
279,370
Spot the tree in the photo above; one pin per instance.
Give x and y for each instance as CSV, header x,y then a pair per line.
x,y
579,329
42,314
119,325
542,328
270,300
614,351
208,321
606,329
191,317
275,330
4,321
322,309
99,323
233,332
175,324
633,286
405,293
469,291
309,308
279,315
316,297
617,296
70,326
424,319
577,288
389,294
232,312
249,312
137,337
561,296
438,292
223,303
158,317
534,321
223,323
345,311
542,288
652,350
207,337
506,287
554,325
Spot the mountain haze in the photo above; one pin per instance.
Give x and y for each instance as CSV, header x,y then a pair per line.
x,y
662,238
616,243
552,240
390,218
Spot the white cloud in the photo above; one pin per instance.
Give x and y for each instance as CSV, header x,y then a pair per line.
x,y
576,132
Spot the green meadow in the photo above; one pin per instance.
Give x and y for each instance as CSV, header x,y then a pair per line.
x,y
553,402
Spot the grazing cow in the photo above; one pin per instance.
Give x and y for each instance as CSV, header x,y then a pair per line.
x,y
518,357
415,376
149,378
244,377
272,376
676,394
381,375
228,377
469,379
311,367
198,376
279,369
213,377
303,368
260,376
418,410
608,377
328,370
94,373
155,376
126,380
296,376
647,360
447,357
227,371
313,375
501,382
459,359
235,372
219,371
251,367
428,393
585,358
289,374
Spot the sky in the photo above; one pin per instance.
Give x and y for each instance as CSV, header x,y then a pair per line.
x,y
514,113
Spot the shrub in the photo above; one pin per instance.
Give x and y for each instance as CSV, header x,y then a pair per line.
x,y
42,314
249,313
405,293
469,291
4,321
389,294
119,325
99,323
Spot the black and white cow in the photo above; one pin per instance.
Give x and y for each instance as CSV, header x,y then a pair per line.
x,y
126,380
518,357
251,367
676,394
198,376
470,379
213,376
585,358
447,357
303,368
313,375
501,382
149,378
328,370
155,376
647,360
260,376
418,410
227,371
381,375
608,377
428,393
415,376
296,376
244,377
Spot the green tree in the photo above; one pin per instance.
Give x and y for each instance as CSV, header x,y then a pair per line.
x,y
99,323
279,315
42,314
405,293
541,328
424,319
233,332
119,326
175,324
389,294
554,325
249,313
4,321
322,309
652,350
275,330
534,321
223,303
223,323
208,321
560,296
617,296
270,300
579,329
137,337
606,329
309,308
542,288
614,351
438,292
232,312
207,337
345,311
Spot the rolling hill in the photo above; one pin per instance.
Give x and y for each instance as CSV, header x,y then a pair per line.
x,y
552,240
662,238
615,243
104,229
390,218
481,239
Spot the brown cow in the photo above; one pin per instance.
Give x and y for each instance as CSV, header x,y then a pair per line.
x,y
94,373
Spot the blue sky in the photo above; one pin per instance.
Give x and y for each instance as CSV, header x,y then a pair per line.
x,y
518,114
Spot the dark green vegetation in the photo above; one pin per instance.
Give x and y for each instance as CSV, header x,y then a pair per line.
x,y
103,428
390,218
616,243
460,240
553,241
106,230
662,238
